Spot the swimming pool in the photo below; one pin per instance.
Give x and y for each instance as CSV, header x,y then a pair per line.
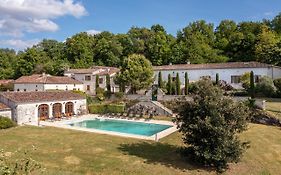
x,y
121,126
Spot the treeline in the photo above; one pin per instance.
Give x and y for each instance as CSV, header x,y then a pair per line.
x,y
198,42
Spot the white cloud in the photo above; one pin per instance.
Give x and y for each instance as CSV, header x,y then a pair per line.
x,y
20,16
18,44
91,32
268,14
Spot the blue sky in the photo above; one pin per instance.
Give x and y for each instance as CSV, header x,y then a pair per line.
x,y
26,22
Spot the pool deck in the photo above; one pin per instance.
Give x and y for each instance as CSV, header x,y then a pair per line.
x,y
65,124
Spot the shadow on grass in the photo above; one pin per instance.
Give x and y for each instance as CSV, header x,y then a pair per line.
x,y
160,153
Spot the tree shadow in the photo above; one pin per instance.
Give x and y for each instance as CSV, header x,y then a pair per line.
x,y
161,153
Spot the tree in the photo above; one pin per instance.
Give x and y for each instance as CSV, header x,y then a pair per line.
x,y
79,50
160,80
97,81
210,125
186,80
169,85
178,85
267,49
107,50
217,78
197,42
108,87
276,23
252,84
136,72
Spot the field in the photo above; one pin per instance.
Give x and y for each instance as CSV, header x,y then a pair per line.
x,y
63,151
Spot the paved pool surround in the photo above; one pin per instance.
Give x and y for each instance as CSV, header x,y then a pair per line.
x,y
66,125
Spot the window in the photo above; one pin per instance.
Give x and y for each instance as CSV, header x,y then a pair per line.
x,y
88,87
18,89
87,77
100,80
257,78
235,79
24,90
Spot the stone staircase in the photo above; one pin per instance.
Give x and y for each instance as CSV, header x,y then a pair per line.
x,y
160,105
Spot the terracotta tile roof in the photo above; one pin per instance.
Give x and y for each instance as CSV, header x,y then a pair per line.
x,y
95,70
6,81
46,79
42,96
3,107
228,65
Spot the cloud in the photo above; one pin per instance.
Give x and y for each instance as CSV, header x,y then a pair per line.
x,y
269,14
18,44
20,16
91,32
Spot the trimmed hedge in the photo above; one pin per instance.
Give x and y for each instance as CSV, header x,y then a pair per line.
x,y
106,108
6,123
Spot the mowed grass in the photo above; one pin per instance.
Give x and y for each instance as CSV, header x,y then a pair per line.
x,y
63,151
273,105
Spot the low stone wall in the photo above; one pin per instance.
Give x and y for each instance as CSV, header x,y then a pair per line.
x,y
159,98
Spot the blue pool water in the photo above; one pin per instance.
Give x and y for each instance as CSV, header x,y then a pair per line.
x,y
129,127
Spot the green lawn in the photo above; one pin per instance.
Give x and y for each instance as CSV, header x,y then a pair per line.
x,y
64,151
273,105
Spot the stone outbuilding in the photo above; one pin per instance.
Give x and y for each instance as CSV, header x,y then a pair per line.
x,y
31,107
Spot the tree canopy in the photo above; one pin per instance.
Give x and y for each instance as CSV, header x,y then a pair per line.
x,y
197,42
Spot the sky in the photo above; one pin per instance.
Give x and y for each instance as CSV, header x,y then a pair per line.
x,y
26,22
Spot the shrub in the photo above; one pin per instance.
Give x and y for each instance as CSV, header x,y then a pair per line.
x,y
210,125
6,123
265,87
277,83
106,108
119,95
100,93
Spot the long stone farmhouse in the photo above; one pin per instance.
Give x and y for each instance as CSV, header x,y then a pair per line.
x,y
45,82
229,72
31,107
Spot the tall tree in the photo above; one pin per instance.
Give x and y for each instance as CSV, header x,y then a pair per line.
x,y
252,84
267,48
160,80
108,87
107,50
178,85
169,85
186,82
79,50
136,72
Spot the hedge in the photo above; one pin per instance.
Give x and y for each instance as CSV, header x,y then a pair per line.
x,y
6,123
106,108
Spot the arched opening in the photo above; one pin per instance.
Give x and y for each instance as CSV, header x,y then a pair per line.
x,y
57,110
69,109
43,112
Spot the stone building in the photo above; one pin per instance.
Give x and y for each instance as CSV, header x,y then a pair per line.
x,y
229,72
45,82
31,107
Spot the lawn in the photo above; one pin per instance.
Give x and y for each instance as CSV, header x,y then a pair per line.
x,y
273,105
64,151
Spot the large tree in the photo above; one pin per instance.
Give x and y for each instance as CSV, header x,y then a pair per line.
x,y
79,50
210,125
136,72
267,47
